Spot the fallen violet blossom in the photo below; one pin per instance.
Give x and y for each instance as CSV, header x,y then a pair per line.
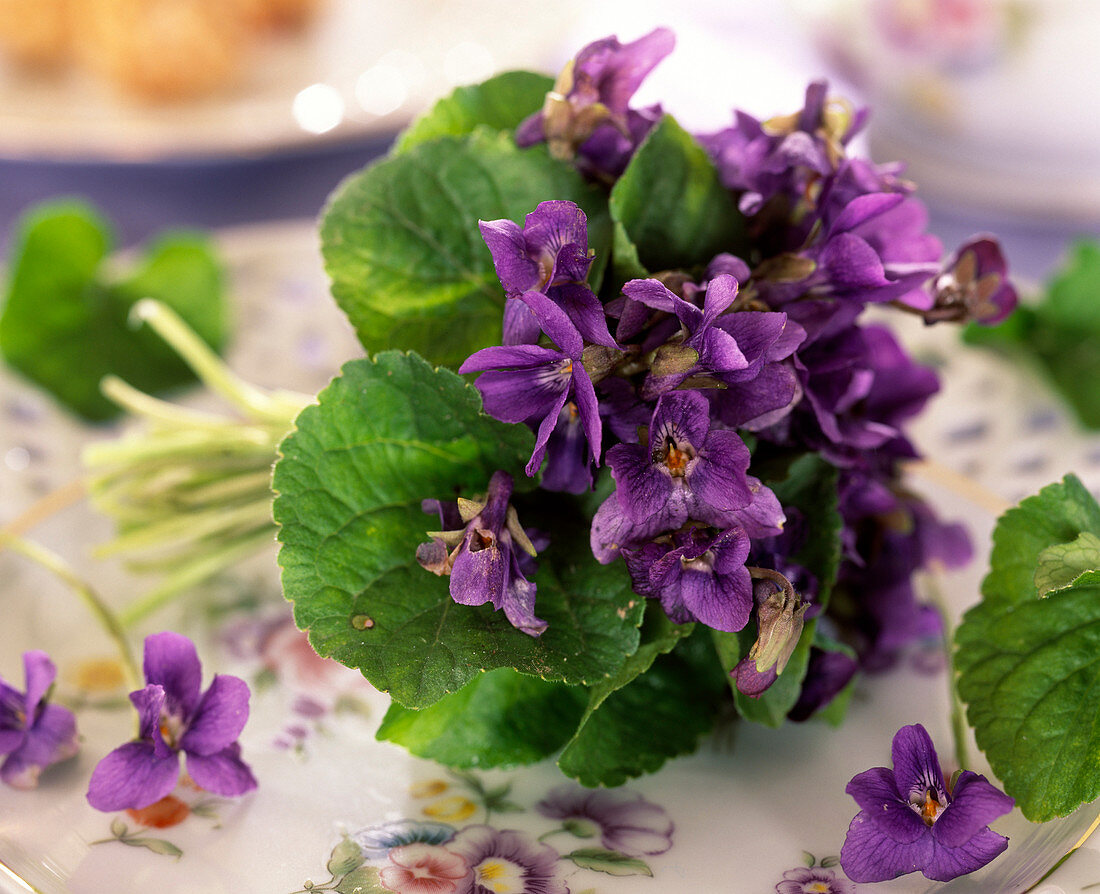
x,y
176,716
910,820
33,733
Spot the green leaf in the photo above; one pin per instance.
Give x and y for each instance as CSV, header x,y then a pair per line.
x,y
1029,672
1060,565
65,323
498,719
402,245
671,203
156,845
1058,514
500,103
659,714
1061,333
346,856
364,880
611,862
386,434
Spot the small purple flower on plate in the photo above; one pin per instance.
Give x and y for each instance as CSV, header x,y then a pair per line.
x,y
33,733
813,881
909,821
177,716
625,823
506,862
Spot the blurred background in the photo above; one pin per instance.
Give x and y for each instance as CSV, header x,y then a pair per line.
x,y
217,113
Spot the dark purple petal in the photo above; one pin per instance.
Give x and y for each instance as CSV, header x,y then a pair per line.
x,y
652,293
522,394
610,72
719,479
584,394
220,717
947,863
556,235
975,803
555,323
875,788
752,682
478,575
546,428
516,270
520,325
132,776
916,765
852,264
223,773
172,662
39,673
764,516
826,676
530,131
586,312
522,356
568,459
519,604
642,489
876,850
50,740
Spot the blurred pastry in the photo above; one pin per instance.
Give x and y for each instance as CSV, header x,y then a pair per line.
x,y
161,49
279,15
35,33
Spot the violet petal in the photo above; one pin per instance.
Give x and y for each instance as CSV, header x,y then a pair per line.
x,y
223,773
132,776
220,717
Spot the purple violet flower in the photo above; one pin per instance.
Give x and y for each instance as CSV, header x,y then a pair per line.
x,y
696,576
530,383
910,821
549,254
33,733
716,350
974,285
625,823
588,115
176,716
506,861
482,559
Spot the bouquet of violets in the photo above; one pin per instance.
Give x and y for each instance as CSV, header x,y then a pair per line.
x,y
671,487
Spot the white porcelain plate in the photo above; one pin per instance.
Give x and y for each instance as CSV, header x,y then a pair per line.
x,y
747,814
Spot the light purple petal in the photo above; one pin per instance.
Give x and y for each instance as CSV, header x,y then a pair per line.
x,y
874,788
975,803
617,70
50,740
223,773
132,776
150,704
612,530
39,673
530,130
516,270
721,601
864,208
220,717
171,661
764,516
852,263
519,605
872,854
652,293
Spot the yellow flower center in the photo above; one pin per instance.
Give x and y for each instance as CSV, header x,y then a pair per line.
x,y
500,876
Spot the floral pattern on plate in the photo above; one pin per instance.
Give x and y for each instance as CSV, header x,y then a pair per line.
x,y
617,830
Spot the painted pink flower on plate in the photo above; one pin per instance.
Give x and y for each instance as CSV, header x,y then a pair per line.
x,y
423,869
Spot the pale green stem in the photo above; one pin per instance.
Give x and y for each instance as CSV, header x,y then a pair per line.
x,y
154,409
277,406
190,526
107,618
957,712
192,573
